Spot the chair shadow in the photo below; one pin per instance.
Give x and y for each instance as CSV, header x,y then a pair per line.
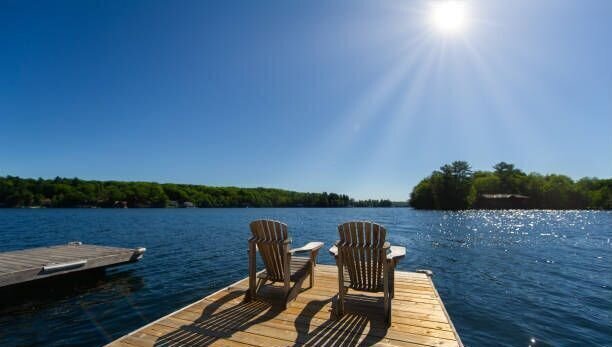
x,y
347,330
218,322
361,325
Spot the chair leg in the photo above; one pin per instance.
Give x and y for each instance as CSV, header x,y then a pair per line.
x,y
390,312
340,310
252,294
341,291
286,268
392,275
287,290
387,299
312,278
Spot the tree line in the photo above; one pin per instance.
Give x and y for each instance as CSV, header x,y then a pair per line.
x,y
456,186
74,192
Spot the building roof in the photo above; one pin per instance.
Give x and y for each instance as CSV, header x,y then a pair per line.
x,y
504,196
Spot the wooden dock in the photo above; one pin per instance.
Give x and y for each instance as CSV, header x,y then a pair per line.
x,y
225,319
43,262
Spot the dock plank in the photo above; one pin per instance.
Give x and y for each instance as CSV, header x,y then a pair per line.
x,y
225,318
29,264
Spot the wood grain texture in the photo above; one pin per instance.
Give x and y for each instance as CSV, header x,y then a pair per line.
x,y
224,318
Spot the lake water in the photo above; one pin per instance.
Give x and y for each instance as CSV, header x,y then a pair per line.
x,y
507,278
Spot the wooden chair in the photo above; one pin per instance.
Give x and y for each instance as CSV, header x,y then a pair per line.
x,y
271,240
366,262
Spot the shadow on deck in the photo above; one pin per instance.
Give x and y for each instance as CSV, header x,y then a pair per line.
x,y
225,318
219,322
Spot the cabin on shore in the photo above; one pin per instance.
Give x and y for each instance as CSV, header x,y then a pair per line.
x,y
120,204
502,201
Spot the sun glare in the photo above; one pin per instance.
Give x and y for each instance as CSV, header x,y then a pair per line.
x,y
449,16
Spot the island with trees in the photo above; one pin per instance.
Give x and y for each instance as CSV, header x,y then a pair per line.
x,y
456,186
74,192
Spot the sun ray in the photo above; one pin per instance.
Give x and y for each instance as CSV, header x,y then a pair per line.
x,y
507,109
368,107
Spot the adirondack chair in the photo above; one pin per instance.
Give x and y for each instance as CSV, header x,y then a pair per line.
x,y
366,262
271,240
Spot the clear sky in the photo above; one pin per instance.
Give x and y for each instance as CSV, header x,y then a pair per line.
x,y
363,98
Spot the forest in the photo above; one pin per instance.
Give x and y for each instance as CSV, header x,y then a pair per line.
x,y
74,192
456,186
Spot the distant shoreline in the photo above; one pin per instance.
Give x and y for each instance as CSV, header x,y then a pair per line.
x,y
74,192
398,205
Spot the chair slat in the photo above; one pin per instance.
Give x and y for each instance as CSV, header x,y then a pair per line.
x,y
348,253
376,267
276,255
355,252
368,263
264,247
361,250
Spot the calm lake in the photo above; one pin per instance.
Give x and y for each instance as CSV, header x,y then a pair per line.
x,y
506,277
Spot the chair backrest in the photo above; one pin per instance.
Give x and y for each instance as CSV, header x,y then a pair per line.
x,y
271,238
362,249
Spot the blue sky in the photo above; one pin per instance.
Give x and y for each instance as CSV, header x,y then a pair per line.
x,y
363,98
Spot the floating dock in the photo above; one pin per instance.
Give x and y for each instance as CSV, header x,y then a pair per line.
x,y
43,262
225,319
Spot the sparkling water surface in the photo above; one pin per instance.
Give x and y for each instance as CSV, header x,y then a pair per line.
x,y
507,278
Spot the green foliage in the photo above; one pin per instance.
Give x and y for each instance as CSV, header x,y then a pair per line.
x,y
73,192
446,189
510,178
371,203
455,187
422,195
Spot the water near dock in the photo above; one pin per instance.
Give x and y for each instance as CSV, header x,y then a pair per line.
x,y
506,278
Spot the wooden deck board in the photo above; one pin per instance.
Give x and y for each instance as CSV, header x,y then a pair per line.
x,y
225,319
27,265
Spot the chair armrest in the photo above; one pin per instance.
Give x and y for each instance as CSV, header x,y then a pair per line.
x,y
312,248
397,252
333,251
309,247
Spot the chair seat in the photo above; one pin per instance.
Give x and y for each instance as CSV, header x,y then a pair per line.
x,y
299,268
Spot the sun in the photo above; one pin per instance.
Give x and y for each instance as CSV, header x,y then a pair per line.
x,y
449,16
